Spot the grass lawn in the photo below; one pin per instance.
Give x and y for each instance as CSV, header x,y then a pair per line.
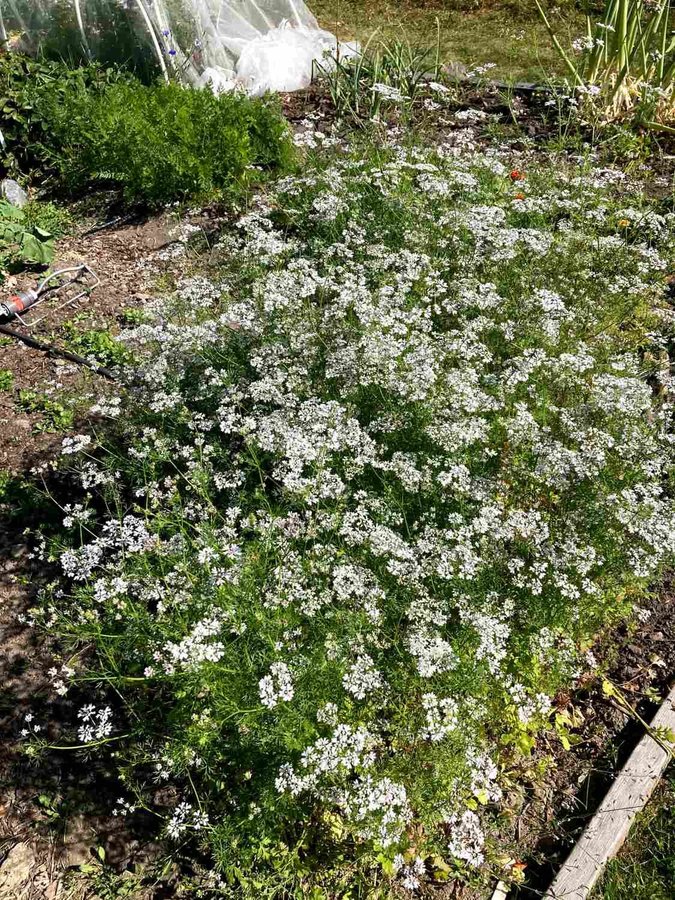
x,y
504,32
645,869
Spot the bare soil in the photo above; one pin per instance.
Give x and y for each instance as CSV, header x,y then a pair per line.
x,y
114,256
56,813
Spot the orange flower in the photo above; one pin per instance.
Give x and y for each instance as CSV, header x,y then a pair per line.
x,y
519,196
623,223
517,175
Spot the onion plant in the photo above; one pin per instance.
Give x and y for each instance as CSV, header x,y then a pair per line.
x,y
389,72
627,59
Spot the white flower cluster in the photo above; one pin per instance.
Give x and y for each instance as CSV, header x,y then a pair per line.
x,y
346,750
410,873
30,729
194,649
276,686
59,678
185,818
484,775
382,805
362,678
96,723
124,808
76,444
467,839
442,716
388,92
75,514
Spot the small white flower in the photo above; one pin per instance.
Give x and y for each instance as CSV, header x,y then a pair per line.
x,y
75,444
388,92
277,686
362,678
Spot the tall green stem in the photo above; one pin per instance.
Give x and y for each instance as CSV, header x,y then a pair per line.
x,y
556,43
622,34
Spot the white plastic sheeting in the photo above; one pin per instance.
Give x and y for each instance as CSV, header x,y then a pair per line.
x,y
259,45
282,58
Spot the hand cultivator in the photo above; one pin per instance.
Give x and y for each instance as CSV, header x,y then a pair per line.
x,y
69,285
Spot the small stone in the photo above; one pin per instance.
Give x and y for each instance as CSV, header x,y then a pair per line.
x,y
40,882
456,70
13,193
16,870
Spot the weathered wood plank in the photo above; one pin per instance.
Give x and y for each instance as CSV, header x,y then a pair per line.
x,y
609,827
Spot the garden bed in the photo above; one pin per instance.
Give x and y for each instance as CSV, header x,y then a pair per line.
x,y
556,796
260,292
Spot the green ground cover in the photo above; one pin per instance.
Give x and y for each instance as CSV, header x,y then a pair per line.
x,y
645,869
79,130
509,34
380,477
381,465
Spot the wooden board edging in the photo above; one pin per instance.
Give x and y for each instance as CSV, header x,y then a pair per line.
x,y
609,827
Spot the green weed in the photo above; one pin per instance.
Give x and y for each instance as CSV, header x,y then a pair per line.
x,y
21,502
54,219
133,315
22,241
54,415
22,80
96,343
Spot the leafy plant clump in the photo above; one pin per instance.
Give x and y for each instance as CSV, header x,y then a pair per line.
x,y
157,143
54,415
97,344
625,64
371,496
366,83
27,235
22,80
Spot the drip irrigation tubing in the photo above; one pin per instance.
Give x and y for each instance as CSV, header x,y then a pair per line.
x,y
54,350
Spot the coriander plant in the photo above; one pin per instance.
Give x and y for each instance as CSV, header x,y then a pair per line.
x,y
375,485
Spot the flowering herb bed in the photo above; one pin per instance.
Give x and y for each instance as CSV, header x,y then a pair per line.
x,y
373,491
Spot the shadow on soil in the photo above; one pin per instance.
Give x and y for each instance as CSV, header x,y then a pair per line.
x,y
58,804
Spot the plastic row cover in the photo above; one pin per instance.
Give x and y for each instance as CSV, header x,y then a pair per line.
x,y
259,44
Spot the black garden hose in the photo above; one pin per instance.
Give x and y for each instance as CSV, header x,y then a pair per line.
x,y
53,350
